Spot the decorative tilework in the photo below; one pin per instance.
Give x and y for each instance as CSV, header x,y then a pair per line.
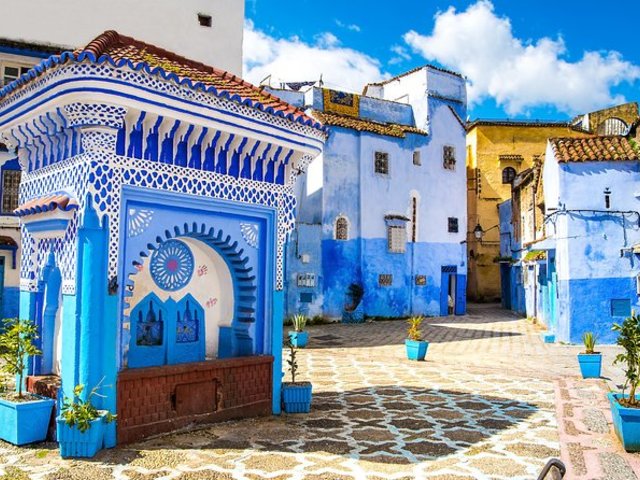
x,y
172,265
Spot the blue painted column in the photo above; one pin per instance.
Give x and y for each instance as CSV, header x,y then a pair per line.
x,y
276,348
92,282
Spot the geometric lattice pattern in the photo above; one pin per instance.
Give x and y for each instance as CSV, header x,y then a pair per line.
x,y
83,162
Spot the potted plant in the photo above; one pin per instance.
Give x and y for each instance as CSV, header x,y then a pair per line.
x,y
590,361
299,337
296,396
625,409
24,417
416,346
80,426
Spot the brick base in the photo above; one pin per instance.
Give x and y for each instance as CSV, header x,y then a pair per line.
x,y
47,386
161,399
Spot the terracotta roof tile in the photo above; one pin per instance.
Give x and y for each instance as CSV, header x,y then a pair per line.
x,y
120,50
596,148
47,204
361,125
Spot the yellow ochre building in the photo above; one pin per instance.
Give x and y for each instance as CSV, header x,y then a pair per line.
x,y
496,152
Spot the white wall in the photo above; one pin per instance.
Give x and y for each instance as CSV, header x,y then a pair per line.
x,y
170,24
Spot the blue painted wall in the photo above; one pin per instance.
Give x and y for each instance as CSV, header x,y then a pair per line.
x,y
596,270
342,183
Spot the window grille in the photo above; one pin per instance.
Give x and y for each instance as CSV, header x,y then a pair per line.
x,y
453,225
385,280
382,163
307,280
508,175
396,239
10,188
449,157
416,158
342,229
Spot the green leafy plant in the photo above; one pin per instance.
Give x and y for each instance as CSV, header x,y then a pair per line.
x,y
629,340
299,322
17,345
414,333
589,339
80,413
292,361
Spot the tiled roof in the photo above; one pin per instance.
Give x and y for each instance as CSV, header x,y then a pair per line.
x,y
361,125
517,123
39,48
593,149
121,51
47,204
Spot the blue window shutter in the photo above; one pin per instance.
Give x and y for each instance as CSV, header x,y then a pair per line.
x,y
621,308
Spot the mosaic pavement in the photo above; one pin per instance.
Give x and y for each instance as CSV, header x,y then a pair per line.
x,y
481,407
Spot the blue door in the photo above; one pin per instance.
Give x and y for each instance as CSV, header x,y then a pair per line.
x,y
461,295
447,285
505,285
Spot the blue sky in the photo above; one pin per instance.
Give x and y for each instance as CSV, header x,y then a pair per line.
x,y
523,59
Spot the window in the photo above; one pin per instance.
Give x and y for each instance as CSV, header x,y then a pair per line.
x,y
342,229
385,280
382,163
449,157
607,198
306,297
396,239
620,308
12,72
204,20
508,174
414,219
453,225
416,158
10,187
306,280
421,280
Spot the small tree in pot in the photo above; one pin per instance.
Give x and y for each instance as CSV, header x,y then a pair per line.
x,y
296,396
24,417
81,425
590,361
299,337
625,409
415,345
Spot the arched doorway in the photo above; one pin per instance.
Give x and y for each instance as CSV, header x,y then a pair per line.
x,y
195,279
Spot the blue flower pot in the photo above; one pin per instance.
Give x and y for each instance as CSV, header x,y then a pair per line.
x,y
26,422
296,397
299,339
77,444
416,349
590,364
626,422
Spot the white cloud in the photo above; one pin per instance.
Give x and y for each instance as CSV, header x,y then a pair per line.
x,y
401,54
520,74
349,26
291,59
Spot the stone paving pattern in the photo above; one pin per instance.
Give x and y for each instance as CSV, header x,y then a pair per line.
x,y
491,402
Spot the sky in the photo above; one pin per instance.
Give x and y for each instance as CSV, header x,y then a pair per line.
x,y
543,59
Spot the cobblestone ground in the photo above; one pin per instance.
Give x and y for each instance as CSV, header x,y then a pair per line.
x,y
491,402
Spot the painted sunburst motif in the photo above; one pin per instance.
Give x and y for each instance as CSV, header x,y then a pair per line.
x,y
172,265
250,234
139,220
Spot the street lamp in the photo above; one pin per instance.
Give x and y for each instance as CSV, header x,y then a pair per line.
x,y
478,232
